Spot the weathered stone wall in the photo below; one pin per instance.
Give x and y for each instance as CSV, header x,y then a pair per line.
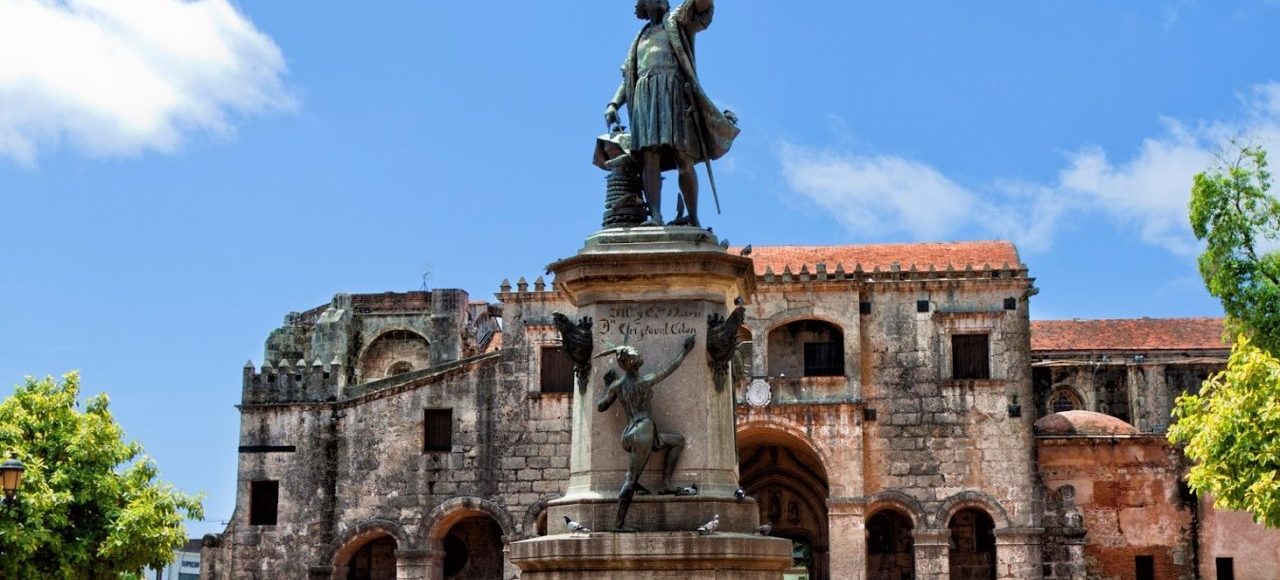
x,y
1126,494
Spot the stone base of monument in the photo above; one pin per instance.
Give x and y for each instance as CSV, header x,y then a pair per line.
x,y
658,513
661,556
652,289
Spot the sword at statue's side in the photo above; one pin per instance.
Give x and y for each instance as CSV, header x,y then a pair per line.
x,y
702,141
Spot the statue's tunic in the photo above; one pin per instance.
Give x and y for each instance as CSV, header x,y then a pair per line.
x,y
661,81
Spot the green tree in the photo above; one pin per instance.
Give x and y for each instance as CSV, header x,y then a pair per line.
x,y
1234,213
1231,428
90,505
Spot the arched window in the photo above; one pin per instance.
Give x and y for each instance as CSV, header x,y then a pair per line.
x,y
392,353
890,545
1064,399
806,348
399,368
473,549
973,545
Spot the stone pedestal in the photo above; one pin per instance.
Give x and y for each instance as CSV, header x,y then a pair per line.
x,y
661,556
651,288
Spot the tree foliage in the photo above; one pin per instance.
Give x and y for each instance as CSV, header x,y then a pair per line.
x,y
1234,213
90,505
1231,428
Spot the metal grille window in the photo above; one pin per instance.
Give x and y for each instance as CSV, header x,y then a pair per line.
x,y
557,371
1063,401
437,431
264,500
970,356
823,359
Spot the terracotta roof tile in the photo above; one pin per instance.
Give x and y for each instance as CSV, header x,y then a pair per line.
x,y
1082,423
923,255
1128,334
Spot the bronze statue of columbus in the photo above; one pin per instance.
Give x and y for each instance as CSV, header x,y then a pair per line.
x,y
673,123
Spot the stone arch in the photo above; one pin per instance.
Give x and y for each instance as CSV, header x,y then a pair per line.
x,y
807,347
532,515
890,537
440,519
762,427
972,548
787,474
391,347
902,502
470,535
974,499
790,315
357,537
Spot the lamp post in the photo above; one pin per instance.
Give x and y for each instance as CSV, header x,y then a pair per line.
x,y
11,477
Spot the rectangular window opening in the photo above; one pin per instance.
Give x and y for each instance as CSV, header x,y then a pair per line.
x,y
1226,568
264,502
437,431
1144,567
556,372
823,359
970,356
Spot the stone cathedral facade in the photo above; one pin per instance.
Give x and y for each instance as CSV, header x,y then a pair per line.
x,y
899,416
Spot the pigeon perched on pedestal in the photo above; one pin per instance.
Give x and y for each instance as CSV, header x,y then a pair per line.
x,y
740,495
691,489
766,529
575,528
709,527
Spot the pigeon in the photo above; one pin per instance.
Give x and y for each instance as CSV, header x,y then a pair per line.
x,y
575,528
739,301
745,251
709,527
691,489
766,529
741,494
724,243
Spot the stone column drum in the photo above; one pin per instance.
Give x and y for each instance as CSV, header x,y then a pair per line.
x,y
650,288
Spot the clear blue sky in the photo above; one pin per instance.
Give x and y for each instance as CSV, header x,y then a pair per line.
x,y
176,177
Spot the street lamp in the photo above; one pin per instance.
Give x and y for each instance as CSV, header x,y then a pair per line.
x,y
11,477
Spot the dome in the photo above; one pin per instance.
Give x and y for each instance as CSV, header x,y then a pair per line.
x,y
1083,423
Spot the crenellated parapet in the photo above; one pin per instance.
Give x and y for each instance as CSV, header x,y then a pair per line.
x,y
293,382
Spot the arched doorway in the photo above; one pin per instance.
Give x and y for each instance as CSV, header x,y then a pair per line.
x,y
973,545
473,549
890,546
789,482
368,553
376,560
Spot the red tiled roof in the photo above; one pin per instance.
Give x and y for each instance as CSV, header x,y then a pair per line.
x,y
923,255
1129,334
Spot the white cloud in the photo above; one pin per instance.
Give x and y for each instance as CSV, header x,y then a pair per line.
x,y
884,195
878,195
117,77
1147,193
